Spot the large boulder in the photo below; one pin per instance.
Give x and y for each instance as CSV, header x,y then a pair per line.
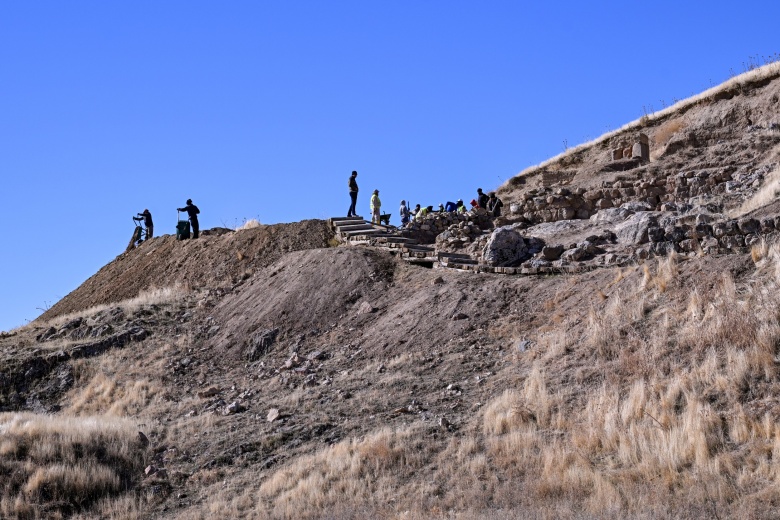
x,y
505,247
635,229
611,215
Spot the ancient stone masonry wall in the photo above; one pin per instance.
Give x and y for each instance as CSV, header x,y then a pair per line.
x,y
457,228
551,204
729,236
640,149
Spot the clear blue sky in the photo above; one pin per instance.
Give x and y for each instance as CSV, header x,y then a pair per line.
x,y
262,109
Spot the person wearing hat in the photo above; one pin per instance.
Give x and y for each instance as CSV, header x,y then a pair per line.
x,y
147,218
460,207
404,211
353,193
376,204
192,210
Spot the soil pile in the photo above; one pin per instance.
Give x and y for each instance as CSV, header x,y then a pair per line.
x,y
217,259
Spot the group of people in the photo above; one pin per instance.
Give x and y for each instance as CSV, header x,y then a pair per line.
x,y
489,202
192,213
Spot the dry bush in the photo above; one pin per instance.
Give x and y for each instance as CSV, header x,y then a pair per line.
x,y
665,274
58,465
665,132
252,223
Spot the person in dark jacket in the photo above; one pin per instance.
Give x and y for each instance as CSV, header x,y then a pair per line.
x,y
353,193
494,205
482,199
146,216
192,210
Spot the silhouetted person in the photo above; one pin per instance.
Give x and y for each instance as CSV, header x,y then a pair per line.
x,y
192,210
353,193
494,205
482,199
147,218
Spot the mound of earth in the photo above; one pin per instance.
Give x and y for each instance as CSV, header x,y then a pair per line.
x,y
213,260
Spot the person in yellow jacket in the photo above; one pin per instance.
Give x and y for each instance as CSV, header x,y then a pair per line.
x,y
375,205
421,214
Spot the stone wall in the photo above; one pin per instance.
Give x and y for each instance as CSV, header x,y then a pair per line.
x,y
459,229
549,204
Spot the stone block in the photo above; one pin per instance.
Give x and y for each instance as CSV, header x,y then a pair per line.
x,y
592,195
748,225
552,252
709,245
721,229
732,241
566,213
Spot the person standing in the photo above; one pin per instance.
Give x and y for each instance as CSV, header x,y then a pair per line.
x,y
482,199
146,216
376,204
404,211
494,205
192,210
353,193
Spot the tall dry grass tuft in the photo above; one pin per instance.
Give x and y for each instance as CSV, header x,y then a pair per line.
x,y
55,465
252,223
665,274
667,130
364,470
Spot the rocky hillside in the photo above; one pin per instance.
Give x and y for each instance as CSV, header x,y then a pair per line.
x,y
608,348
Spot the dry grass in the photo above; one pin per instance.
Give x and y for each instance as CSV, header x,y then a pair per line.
x,y
667,130
766,194
55,466
152,296
252,223
770,70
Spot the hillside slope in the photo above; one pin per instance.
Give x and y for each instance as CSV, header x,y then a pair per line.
x,y
272,375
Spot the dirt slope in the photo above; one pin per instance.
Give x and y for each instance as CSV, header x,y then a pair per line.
x,y
278,377
217,259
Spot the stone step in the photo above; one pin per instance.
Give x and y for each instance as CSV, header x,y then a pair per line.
x,y
444,254
333,220
419,254
401,240
362,232
353,227
345,223
445,261
426,260
414,248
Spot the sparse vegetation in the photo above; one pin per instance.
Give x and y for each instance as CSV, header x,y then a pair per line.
x,y
290,379
55,466
766,194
